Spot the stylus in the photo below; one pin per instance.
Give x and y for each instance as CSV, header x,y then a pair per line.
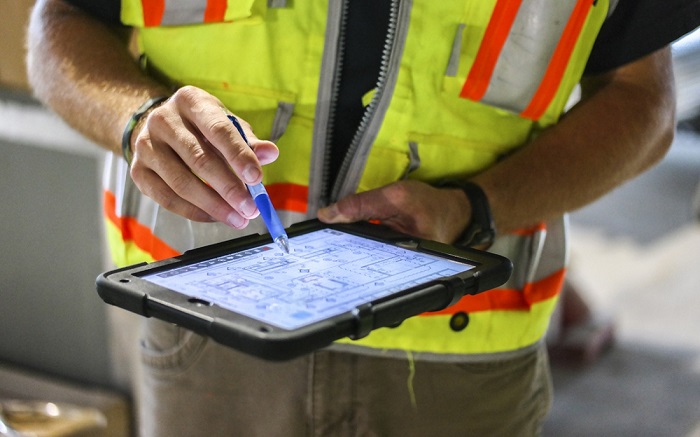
x,y
262,200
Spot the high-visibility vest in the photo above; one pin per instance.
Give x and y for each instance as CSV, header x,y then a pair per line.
x,y
466,83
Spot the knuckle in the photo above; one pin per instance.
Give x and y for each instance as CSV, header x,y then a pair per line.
x,y
356,203
233,191
220,128
180,183
200,160
175,204
141,143
233,154
136,171
219,210
157,116
166,201
187,93
398,193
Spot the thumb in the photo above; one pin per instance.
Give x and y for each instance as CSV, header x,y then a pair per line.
x,y
368,205
332,214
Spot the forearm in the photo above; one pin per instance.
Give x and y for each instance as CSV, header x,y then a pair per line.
x,y
187,155
82,70
622,126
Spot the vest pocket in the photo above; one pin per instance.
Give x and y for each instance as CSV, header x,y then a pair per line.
x,y
437,157
384,166
267,110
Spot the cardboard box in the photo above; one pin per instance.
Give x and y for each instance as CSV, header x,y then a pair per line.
x,y
21,387
13,28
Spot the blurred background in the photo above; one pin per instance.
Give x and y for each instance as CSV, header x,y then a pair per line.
x,y
635,258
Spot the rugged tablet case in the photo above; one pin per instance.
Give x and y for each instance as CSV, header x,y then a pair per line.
x,y
124,288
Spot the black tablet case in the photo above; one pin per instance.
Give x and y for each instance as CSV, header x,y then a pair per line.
x,y
124,288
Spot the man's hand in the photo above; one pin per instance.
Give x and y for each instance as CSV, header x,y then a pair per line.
x,y
412,207
189,157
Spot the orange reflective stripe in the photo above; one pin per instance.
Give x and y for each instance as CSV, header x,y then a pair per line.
x,y
545,288
523,232
560,60
215,11
153,12
495,38
285,197
508,299
132,230
289,197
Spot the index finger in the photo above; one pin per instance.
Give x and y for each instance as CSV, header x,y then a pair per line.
x,y
205,112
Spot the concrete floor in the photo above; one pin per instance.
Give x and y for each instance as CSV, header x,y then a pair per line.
x,y
636,256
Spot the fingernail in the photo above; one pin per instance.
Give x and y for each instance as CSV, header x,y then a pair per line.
x,y
234,219
251,174
328,213
248,208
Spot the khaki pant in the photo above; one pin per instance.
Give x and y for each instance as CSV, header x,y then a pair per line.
x,y
191,386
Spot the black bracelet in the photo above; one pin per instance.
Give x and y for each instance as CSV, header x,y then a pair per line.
x,y
135,117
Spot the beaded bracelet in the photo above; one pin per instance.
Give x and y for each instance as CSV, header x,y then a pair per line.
x,y
135,117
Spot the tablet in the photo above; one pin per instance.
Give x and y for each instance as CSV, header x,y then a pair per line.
x,y
337,281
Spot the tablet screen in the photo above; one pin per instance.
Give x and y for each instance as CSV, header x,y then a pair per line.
x,y
327,272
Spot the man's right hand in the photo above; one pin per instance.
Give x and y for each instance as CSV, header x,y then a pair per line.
x,y
190,159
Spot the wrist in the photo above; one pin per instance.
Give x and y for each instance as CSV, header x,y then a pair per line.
x,y
134,122
480,230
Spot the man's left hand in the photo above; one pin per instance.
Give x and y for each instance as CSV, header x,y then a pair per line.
x,y
411,207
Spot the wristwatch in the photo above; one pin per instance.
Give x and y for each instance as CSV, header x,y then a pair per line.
x,y
481,230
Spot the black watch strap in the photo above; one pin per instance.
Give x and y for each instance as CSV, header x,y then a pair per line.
x,y
481,230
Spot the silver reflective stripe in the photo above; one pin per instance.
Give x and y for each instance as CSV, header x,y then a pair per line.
x,y
117,180
453,65
555,253
184,12
281,121
526,54
536,247
413,159
276,4
611,8
535,256
130,202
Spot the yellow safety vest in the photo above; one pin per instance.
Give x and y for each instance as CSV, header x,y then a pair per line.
x,y
465,83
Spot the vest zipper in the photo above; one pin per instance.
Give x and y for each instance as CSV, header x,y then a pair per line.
x,y
352,167
327,94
